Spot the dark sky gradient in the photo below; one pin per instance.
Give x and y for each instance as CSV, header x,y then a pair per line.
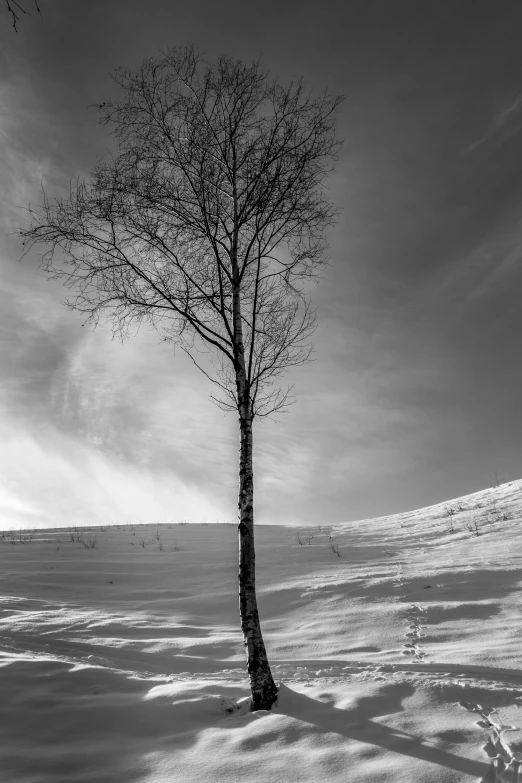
x,y
415,392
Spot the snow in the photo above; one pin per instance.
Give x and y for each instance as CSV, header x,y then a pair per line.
x,y
398,660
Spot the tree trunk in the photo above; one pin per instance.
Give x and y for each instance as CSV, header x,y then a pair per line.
x,y
264,691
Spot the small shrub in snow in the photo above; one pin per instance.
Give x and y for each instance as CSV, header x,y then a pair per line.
x,y
495,515
451,525
334,546
498,481
304,537
473,527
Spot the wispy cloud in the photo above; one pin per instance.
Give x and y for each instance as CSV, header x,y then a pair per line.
x,y
51,479
504,124
24,161
102,413
492,259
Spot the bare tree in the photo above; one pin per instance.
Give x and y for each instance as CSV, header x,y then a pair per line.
x,y
207,224
15,8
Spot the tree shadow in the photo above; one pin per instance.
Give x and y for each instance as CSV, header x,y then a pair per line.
x,y
357,724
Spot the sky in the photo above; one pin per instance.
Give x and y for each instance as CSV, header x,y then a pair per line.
x,y
414,392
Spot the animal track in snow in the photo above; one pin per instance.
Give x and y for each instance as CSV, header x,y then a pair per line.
x,y
506,759
415,633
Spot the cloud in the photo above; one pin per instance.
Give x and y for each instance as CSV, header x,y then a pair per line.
x,y
49,479
491,260
91,415
24,160
368,415
505,123
143,403
109,429
14,512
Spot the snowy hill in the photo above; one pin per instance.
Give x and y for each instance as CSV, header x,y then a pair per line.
x,y
396,642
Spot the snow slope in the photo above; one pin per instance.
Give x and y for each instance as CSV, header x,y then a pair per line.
x,y
397,643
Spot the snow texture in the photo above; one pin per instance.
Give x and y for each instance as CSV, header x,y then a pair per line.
x,y
396,644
